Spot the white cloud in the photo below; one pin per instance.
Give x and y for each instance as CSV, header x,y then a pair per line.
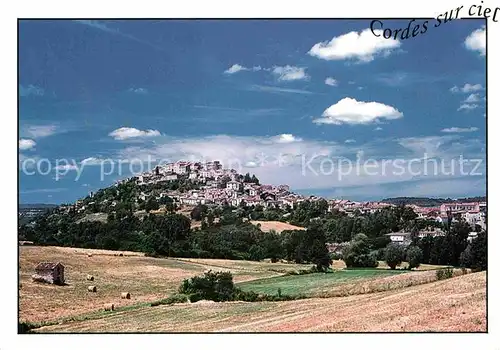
x,y
350,141
289,73
66,167
363,46
467,88
139,91
235,68
26,144
275,163
30,90
472,98
459,130
378,128
467,107
286,138
476,41
350,111
92,161
332,82
275,89
39,131
124,133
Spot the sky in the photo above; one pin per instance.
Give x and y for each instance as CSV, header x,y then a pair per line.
x,y
308,103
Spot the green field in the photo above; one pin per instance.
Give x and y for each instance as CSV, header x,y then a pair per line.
x,y
312,283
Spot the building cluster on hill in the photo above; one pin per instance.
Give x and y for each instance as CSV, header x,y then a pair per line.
x,y
218,186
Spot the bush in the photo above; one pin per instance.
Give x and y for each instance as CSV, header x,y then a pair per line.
x,y
394,255
442,274
414,256
357,253
216,286
174,299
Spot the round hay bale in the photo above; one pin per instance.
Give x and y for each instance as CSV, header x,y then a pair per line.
x,y
125,295
92,289
109,307
90,278
89,255
121,254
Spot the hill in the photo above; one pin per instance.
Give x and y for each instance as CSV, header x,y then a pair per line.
x,y
430,202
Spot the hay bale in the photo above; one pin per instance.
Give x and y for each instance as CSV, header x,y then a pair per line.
x,y
90,278
109,307
92,289
125,295
89,255
121,254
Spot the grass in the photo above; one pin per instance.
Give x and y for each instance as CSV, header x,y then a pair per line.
x,y
312,283
146,279
457,304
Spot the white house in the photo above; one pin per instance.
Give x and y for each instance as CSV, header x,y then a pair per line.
x,y
402,238
233,185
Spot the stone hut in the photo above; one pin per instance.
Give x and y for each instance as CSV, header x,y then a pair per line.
x,y
49,272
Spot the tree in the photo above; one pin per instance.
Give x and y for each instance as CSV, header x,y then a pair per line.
x,y
317,253
357,253
151,204
475,255
414,257
254,180
199,212
394,255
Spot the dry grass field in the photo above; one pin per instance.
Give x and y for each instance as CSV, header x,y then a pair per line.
x,y
371,300
147,279
457,304
277,226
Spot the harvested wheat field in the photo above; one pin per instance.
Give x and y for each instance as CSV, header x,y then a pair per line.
x,y
277,226
456,304
146,279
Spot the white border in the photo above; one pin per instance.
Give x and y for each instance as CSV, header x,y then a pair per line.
x,y
258,8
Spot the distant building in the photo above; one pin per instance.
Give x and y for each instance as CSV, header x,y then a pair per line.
x,y
233,185
459,208
402,238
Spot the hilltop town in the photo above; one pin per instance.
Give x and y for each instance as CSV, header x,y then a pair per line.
x,y
188,184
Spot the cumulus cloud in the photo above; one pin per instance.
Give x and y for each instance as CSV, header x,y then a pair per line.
x,y
459,130
30,90
362,46
467,88
476,41
378,128
286,138
330,81
125,133
472,98
467,107
350,111
235,68
350,141
289,73
26,144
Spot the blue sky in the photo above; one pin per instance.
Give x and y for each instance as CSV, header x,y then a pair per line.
x,y
269,97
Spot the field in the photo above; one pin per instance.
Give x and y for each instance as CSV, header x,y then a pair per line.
x,y
277,226
456,304
147,279
313,283
345,300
